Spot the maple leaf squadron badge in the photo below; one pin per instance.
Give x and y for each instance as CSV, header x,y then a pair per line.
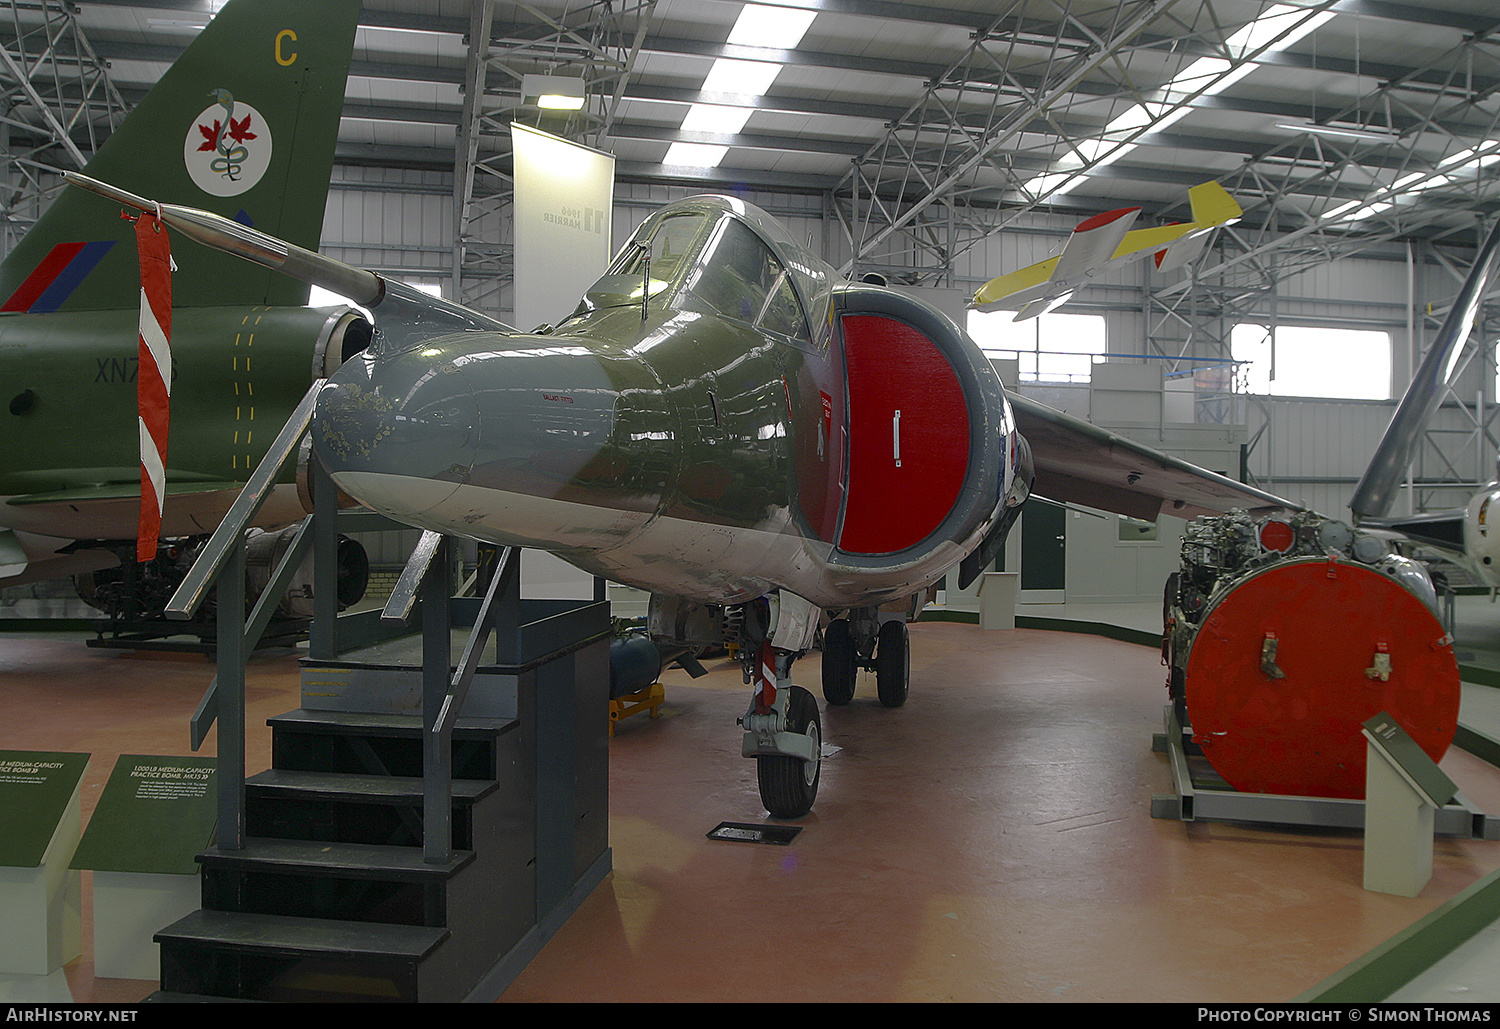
x,y
228,148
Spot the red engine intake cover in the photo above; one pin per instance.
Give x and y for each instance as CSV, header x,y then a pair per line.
x,y
908,436
1326,621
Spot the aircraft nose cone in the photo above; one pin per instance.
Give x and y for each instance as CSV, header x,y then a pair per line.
x,y
397,433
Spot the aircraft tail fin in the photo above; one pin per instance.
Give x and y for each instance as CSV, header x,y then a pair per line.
x,y
1212,205
243,124
1377,488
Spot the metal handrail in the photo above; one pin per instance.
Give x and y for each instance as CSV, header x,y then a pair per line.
x,y
463,676
260,617
403,597
440,712
223,561
252,495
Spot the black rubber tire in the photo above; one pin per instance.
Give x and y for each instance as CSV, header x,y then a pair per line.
x,y
789,785
839,663
892,664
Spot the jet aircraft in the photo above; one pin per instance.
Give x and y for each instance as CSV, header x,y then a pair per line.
x,y
1469,536
244,124
1103,242
728,424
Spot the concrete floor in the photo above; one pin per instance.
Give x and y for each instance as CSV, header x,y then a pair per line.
x,y
990,841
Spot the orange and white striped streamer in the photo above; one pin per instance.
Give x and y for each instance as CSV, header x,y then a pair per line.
x,y
154,381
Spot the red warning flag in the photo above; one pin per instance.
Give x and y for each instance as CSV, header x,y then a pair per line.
x,y
154,382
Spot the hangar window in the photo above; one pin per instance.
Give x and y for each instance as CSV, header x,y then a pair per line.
x,y
1310,361
1051,348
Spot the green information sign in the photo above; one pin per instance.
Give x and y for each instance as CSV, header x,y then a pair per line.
x,y
35,787
154,815
1405,753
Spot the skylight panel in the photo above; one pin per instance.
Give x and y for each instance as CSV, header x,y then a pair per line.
x,y
695,155
1272,32
758,25
715,118
750,77
779,28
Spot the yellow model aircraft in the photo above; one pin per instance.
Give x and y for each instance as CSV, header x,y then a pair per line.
x,y
1102,242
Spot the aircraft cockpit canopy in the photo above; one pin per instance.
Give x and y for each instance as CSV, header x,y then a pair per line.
x,y
738,277
708,262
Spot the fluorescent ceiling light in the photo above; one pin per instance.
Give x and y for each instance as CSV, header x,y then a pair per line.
x,y
694,155
553,92
1339,131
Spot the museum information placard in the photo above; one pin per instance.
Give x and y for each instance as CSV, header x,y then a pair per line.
x,y
35,788
154,815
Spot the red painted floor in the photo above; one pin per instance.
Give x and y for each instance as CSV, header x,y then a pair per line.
x,y
990,841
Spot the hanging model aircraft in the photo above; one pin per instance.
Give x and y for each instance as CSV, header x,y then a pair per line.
x,y
1103,242
726,423
244,124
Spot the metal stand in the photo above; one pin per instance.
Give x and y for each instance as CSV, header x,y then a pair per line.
x,y
649,699
1201,795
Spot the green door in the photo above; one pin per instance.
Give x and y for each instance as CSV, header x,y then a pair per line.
x,y
1043,551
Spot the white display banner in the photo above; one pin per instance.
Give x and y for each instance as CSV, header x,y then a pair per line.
x,y
563,199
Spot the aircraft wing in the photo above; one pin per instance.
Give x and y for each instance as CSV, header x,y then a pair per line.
x,y
121,491
1080,463
1441,530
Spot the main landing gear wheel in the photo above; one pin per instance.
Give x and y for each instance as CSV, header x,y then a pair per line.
x,y
892,664
788,785
839,663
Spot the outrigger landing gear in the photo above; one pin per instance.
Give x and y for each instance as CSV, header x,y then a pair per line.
x,y
782,729
862,641
893,664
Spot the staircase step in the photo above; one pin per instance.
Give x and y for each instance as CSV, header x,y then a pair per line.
x,y
288,935
344,860
281,957
356,788
387,744
354,723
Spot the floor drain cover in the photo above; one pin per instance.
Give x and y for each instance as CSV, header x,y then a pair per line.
x,y
744,832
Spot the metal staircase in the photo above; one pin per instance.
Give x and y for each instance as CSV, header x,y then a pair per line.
x,y
396,850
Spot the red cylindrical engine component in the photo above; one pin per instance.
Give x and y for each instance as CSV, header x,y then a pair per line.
x,y
1287,665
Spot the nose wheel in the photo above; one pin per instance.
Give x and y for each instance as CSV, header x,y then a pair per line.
x,y
789,785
